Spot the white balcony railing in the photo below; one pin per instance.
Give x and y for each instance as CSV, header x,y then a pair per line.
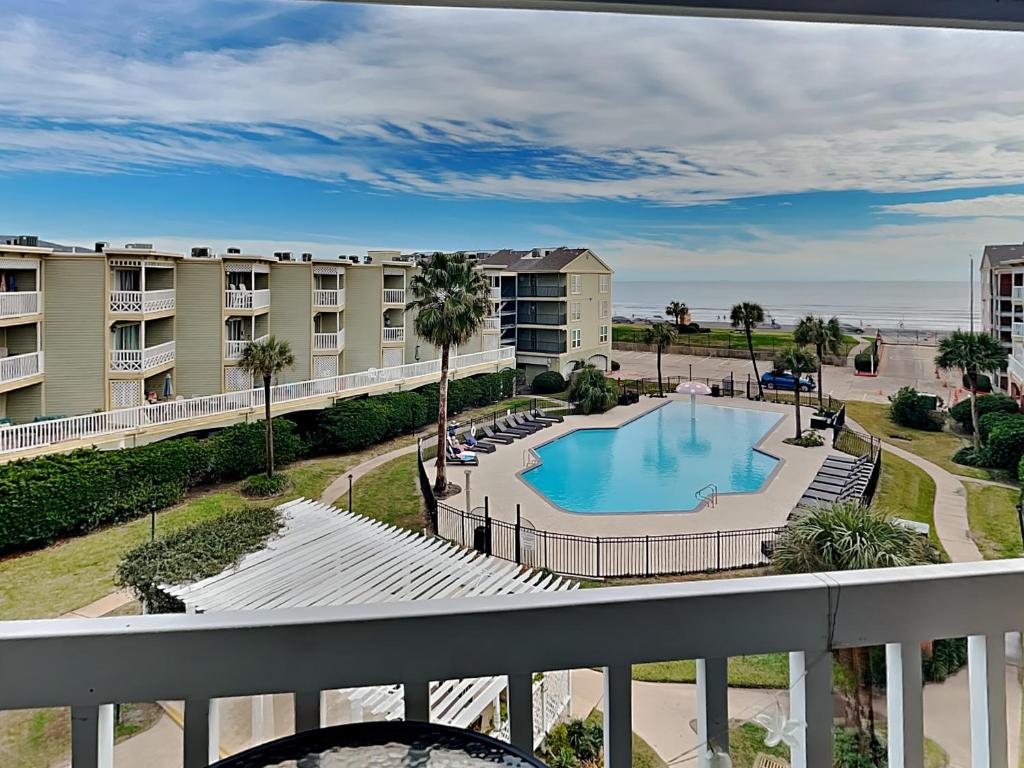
x,y
328,342
16,303
81,663
56,433
495,294
328,297
394,295
1017,294
393,334
492,323
1016,368
142,301
1018,329
134,360
233,348
16,367
244,299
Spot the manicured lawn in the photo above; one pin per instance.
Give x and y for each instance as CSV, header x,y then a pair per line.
x,y
720,337
937,447
390,493
766,671
992,517
906,491
746,742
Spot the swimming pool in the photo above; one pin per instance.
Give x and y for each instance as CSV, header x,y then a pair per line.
x,y
657,462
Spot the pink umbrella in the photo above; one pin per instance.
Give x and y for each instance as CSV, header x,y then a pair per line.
x,y
693,388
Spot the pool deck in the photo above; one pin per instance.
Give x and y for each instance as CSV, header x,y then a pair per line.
x,y
497,478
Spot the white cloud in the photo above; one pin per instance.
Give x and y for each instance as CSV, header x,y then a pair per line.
x,y
989,206
670,110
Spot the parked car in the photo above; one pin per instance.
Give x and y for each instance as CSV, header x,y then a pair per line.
x,y
786,380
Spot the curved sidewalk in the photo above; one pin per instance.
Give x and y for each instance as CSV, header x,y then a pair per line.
x,y
339,486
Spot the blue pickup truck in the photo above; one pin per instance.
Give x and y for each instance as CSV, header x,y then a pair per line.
x,y
786,380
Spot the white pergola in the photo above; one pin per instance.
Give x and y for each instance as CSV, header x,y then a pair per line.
x,y
326,556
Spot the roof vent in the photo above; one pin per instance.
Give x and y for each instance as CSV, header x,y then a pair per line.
x,y
31,241
139,246
367,259
99,246
235,251
354,259
201,252
283,255
307,257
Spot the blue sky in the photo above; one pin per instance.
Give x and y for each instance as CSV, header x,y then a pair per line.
x,y
679,149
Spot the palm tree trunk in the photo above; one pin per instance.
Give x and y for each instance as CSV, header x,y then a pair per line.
x,y
974,411
270,426
753,361
440,464
796,402
661,392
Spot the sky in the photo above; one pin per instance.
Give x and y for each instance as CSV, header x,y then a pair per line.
x,y
678,149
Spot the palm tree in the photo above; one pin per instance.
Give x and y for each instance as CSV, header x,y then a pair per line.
x,y
677,309
592,391
972,353
798,361
452,298
747,315
825,335
266,359
844,537
660,335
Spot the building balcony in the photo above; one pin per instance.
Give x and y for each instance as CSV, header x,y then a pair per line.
x,y
137,360
541,291
543,347
330,342
18,303
329,297
15,367
492,323
1018,293
246,299
141,302
394,296
233,348
1016,369
393,335
495,293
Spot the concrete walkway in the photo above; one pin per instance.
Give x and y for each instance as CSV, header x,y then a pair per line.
x,y
339,487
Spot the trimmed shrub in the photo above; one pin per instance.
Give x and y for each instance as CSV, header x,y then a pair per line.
x,y
193,553
1005,444
811,438
969,457
350,425
405,412
261,487
990,421
44,499
864,362
910,409
241,450
615,365
548,382
996,402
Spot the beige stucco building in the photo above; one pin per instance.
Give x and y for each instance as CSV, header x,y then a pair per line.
x,y
118,325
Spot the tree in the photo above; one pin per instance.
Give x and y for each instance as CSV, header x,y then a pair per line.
x,y
591,390
825,335
972,353
846,536
798,361
452,298
747,315
266,359
660,335
678,310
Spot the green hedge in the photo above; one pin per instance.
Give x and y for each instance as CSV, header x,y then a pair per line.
x,y
195,552
1005,444
240,450
910,409
993,419
548,382
986,404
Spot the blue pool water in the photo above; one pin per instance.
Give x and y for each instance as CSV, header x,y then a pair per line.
x,y
657,462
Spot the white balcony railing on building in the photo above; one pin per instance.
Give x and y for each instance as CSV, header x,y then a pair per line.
x,y
16,303
54,433
259,299
142,301
328,297
134,360
1017,329
81,663
1016,368
1017,293
16,367
233,348
495,294
492,323
328,342
394,295
393,334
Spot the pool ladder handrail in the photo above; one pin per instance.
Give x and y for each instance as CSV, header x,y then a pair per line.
x,y
711,497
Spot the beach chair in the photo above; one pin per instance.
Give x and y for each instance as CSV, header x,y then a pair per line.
x,y
505,427
479,445
500,437
521,421
466,459
541,414
529,418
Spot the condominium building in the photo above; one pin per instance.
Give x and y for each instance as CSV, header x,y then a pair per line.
x,y
554,304
21,317
1002,309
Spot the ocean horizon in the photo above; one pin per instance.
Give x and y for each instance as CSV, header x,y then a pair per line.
x,y
931,305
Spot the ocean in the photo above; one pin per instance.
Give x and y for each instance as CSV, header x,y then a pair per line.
x,y
910,305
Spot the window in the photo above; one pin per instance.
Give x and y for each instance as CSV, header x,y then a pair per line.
x,y
576,281
604,283
127,337
604,309
577,338
576,312
604,333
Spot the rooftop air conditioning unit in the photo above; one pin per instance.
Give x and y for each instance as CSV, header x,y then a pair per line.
x,y
367,259
307,257
201,252
139,246
32,241
283,255
354,259
99,246
235,251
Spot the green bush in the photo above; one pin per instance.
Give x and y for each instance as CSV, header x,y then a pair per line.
x,y
573,743
969,457
909,409
241,450
548,382
405,412
47,498
350,425
592,391
996,402
1005,444
990,421
261,487
193,553
865,362
982,383
811,438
